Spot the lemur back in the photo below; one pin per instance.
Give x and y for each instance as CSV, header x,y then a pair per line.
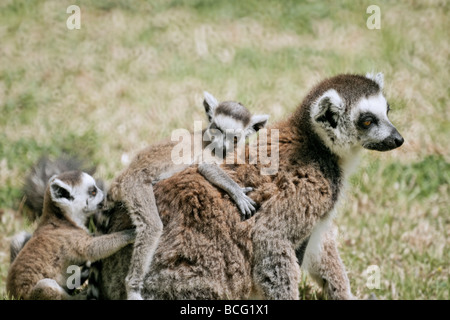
x,y
132,190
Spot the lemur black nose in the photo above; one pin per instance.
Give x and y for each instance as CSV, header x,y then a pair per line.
x,y
399,141
396,138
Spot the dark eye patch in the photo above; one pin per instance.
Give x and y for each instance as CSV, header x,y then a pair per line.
x,y
214,126
92,191
366,120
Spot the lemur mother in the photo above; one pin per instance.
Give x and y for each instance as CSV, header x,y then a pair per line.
x,y
207,252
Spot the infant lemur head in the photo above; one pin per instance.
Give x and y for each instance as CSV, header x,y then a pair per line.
x,y
350,112
230,121
76,195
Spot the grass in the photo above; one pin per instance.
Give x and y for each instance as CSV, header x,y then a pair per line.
x,y
136,70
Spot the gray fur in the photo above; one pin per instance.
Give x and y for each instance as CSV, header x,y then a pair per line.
x,y
17,243
234,110
220,179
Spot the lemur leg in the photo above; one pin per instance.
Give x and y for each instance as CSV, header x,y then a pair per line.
x,y
323,263
276,272
137,196
276,275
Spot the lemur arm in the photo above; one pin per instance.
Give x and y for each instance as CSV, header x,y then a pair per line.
x,y
215,175
103,246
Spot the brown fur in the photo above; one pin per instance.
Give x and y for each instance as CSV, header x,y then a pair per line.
x,y
57,243
132,191
208,247
207,252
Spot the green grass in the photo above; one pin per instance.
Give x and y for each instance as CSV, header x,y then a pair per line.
x,y
136,70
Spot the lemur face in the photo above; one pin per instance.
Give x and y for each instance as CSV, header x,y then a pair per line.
x,y
227,128
76,194
355,118
89,195
230,122
375,131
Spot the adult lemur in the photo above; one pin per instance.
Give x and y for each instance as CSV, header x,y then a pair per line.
x,y
132,191
207,252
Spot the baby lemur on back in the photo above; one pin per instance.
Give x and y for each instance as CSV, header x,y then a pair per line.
x,y
39,270
228,123
206,252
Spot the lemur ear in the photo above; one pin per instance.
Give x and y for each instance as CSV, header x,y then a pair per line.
x,y
210,103
60,191
257,122
328,108
378,78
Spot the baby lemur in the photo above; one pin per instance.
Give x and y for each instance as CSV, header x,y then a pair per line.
x,y
39,270
37,179
228,123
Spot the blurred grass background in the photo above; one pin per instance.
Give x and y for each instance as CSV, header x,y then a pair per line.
x,y
136,70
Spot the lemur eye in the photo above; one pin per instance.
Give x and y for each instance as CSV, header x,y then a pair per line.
x,y
213,126
367,123
92,191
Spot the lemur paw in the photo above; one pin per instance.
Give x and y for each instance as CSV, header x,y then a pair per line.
x,y
245,204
